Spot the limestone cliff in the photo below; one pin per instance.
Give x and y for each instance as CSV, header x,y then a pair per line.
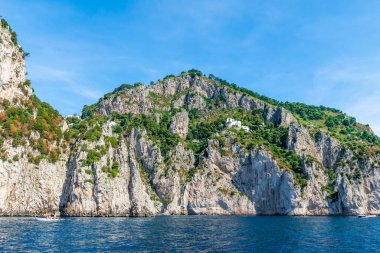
x,y
32,152
12,67
202,167
166,149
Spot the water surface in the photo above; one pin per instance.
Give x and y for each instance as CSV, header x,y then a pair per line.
x,y
192,233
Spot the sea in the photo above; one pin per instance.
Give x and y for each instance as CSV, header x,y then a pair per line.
x,y
191,234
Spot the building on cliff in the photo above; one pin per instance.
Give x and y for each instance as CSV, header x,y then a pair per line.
x,y
236,123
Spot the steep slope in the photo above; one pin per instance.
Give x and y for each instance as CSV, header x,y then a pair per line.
x,y
173,135
12,67
177,147
32,166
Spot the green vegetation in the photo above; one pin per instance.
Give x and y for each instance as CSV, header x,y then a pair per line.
x,y
190,173
205,124
352,135
330,187
31,115
112,171
5,25
145,176
122,88
159,99
209,123
113,141
193,73
16,158
88,171
243,90
200,131
115,168
168,76
91,181
158,133
168,201
228,192
92,157
89,128
89,111
24,86
27,116
93,134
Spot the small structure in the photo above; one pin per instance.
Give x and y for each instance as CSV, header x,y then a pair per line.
x,y
232,122
246,128
73,116
236,123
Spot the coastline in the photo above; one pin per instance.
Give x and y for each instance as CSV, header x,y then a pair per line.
x,y
182,215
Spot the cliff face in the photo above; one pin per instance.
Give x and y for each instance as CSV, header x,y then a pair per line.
x,y
222,172
12,67
166,148
28,184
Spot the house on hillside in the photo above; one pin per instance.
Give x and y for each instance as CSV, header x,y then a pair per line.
x,y
232,122
236,123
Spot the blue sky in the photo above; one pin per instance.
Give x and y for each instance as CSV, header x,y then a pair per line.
x,y
316,52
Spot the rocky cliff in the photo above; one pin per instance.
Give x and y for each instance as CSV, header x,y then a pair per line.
x,y
166,149
32,151
12,67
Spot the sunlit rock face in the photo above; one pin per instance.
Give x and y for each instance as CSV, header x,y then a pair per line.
x,y
166,148
12,66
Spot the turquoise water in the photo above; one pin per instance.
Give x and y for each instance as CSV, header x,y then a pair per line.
x,y
192,233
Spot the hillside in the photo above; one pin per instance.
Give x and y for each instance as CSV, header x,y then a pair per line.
x,y
296,159
170,147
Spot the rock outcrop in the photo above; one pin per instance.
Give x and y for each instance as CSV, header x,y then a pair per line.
x,y
180,123
12,66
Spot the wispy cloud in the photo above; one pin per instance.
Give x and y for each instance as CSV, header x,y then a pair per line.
x,y
354,85
65,80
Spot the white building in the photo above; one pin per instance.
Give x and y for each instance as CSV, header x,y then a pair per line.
x,y
236,123
73,116
232,122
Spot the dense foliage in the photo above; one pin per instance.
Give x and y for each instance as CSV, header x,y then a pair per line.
x,y
157,132
353,135
32,121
